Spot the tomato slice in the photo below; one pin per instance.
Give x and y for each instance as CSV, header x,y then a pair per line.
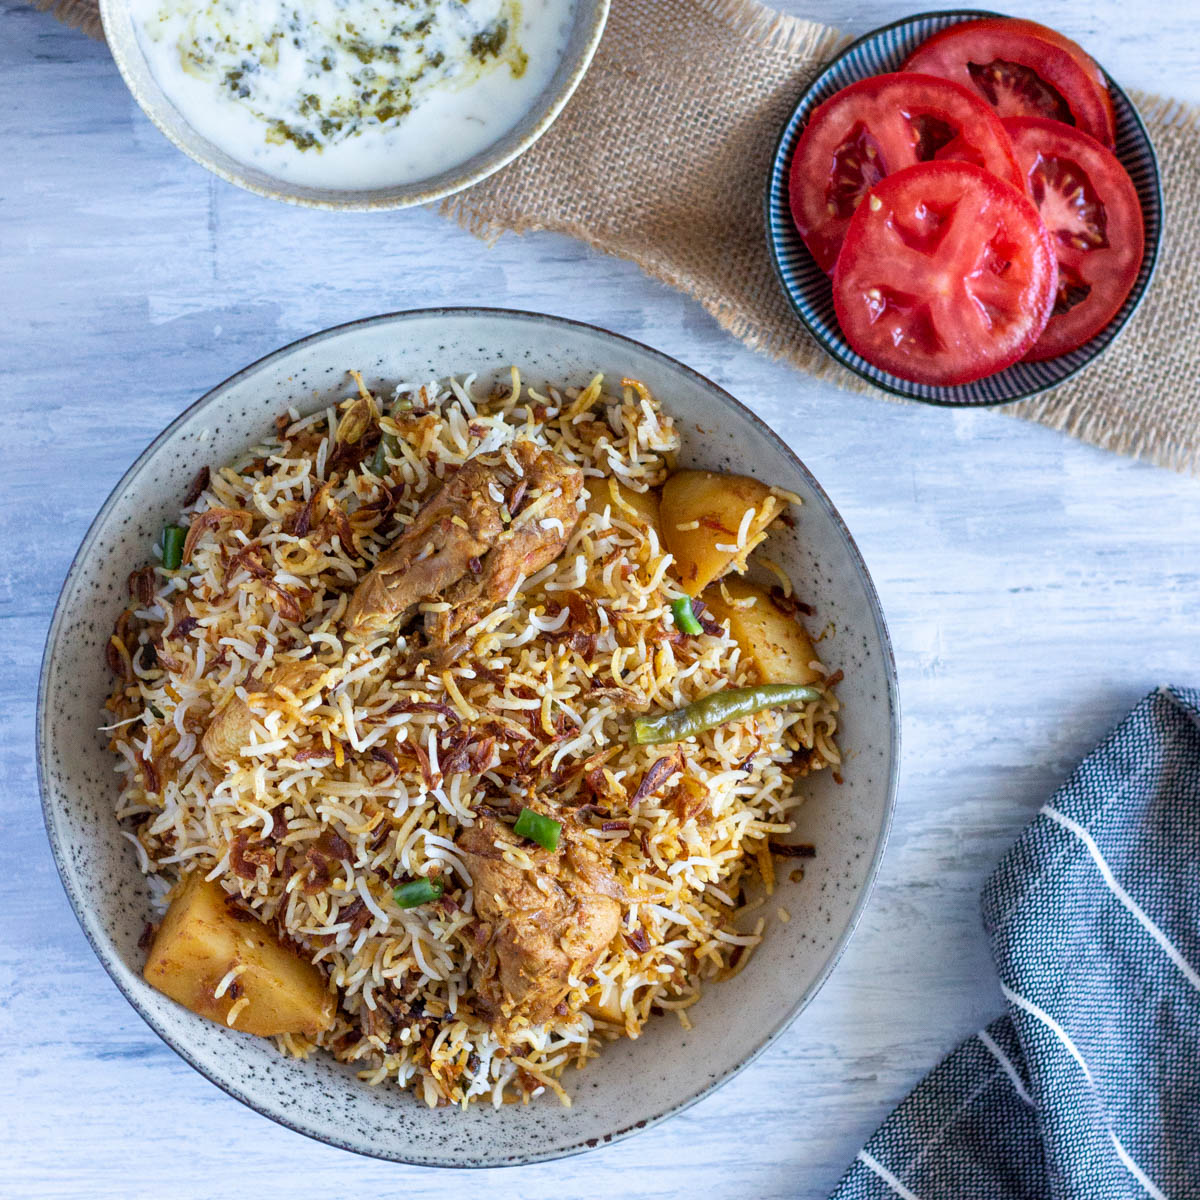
x,y
1022,69
1091,208
947,274
874,127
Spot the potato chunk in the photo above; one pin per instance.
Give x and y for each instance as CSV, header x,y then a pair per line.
x,y
772,640
200,941
620,497
607,1010
700,515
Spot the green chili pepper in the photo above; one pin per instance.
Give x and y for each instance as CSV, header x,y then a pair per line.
x,y
389,447
173,537
543,830
711,711
685,616
417,892
389,443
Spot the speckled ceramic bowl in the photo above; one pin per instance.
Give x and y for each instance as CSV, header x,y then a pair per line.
x,y
632,1084
589,20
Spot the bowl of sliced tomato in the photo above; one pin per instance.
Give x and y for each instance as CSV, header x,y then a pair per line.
x,y
964,208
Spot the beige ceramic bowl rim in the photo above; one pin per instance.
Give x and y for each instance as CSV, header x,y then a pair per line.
x,y
105,953
490,164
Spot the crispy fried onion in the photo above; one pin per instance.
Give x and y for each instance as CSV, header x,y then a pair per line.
x,y
321,517
322,855
196,487
210,521
250,559
246,856
142,585
660,771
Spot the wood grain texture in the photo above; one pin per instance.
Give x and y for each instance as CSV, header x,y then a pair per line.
x,y
1035,587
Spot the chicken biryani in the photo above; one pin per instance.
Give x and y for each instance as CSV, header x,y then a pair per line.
x,y
460,732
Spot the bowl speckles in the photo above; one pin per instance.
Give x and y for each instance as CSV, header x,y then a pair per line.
x,y
632,1084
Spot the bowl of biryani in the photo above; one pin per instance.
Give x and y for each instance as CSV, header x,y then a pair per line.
x,y
474,711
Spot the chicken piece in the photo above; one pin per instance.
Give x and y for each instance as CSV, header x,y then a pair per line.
x,y
487,526
544,509
456,525
535,927
229,730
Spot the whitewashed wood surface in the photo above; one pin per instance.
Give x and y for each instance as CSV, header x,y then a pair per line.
x,y
1035,587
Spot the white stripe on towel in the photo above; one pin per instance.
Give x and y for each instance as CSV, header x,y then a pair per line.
x,y
890,1179
1047,1020
1192,976
1135,1170
1051,1023
1009,1070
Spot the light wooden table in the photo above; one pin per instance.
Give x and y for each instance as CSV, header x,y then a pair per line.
x,y
1035,587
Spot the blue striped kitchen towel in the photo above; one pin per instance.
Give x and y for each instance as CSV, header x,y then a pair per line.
x,y
1089,1087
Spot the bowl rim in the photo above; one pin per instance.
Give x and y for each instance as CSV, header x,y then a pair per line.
x,y
102,947
397,196
902,388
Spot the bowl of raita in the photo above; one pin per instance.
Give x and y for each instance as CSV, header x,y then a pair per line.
x,y
359,104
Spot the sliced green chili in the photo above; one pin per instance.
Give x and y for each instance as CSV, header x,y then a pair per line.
x,y
173,538
543,830
389,447
711,711
685,616
417,892
389,443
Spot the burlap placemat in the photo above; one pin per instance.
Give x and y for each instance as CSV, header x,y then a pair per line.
x,y
661,157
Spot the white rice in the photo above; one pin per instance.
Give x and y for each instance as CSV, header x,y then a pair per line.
x,y
403,976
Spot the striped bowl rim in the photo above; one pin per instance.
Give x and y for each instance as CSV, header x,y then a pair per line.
x,y
809,290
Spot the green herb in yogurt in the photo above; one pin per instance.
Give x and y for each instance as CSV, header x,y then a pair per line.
x,y
321,72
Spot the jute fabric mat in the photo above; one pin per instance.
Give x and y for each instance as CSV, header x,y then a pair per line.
x,y
661,158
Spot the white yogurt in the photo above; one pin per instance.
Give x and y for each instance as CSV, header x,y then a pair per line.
x,y
353,94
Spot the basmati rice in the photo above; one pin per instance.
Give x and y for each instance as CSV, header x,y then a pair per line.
x,y
373,752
